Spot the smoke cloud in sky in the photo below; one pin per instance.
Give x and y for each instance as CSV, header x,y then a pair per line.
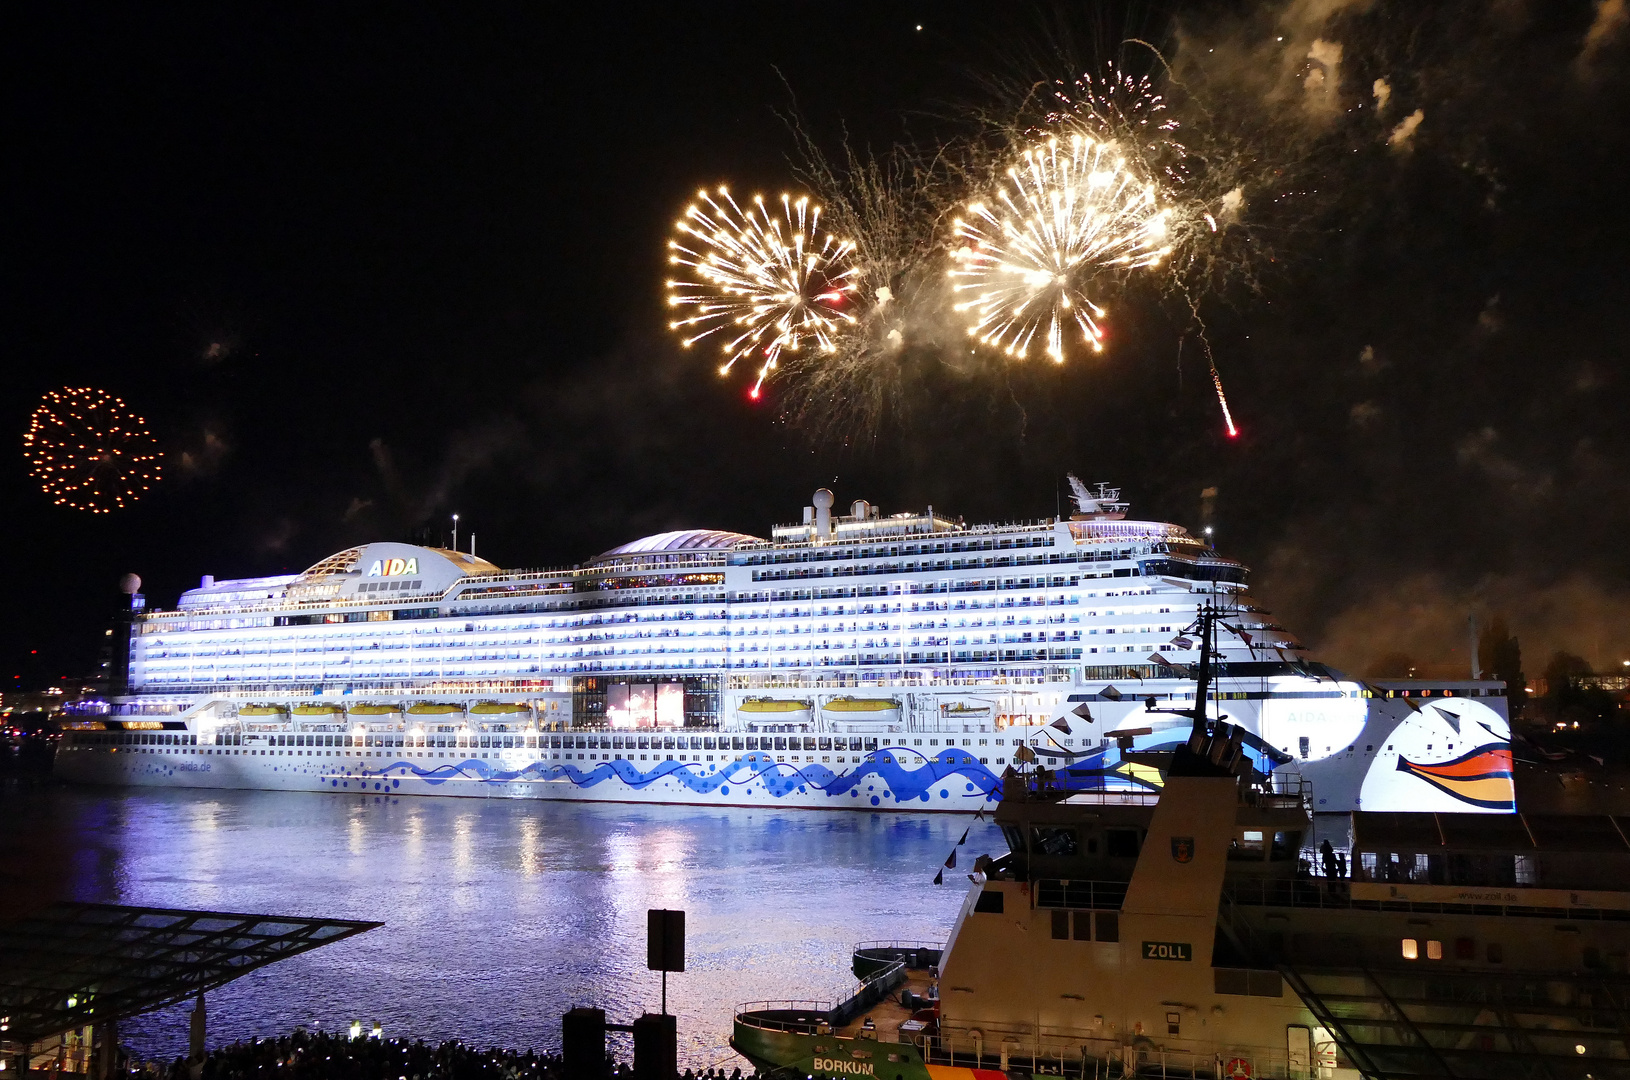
x,y
1400,136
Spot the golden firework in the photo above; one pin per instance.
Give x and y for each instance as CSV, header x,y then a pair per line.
x,y
89,451
1072,212
767,284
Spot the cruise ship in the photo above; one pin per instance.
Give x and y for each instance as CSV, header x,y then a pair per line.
x,y
851,660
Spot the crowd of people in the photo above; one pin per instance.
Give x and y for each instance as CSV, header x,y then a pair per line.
x,y
324,1056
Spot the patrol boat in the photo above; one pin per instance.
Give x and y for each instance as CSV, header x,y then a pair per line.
x,y
1197,931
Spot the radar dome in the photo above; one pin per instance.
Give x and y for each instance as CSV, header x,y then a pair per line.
x,y
130,584
823,499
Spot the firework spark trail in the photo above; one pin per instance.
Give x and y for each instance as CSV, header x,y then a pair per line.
x,y
89,451
1071,212
775,284
1222,399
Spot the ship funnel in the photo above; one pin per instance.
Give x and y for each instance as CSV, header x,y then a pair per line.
x,y
823,500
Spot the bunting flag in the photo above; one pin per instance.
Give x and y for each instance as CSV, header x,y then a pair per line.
x,y
1110,692
1062,725
939,878
964,839
950,862
1024,754
980,814
1083,712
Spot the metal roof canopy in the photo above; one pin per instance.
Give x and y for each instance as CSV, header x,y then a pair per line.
x,y
75,964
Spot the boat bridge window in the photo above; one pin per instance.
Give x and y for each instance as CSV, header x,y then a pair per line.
x,y
1053,840
1248,846
1122,843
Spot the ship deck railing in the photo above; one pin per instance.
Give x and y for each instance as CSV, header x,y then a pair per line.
x,y
1097,1054
789,1015
1333,893
822,1017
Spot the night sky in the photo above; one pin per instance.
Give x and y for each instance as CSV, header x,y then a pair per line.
x,y
360,272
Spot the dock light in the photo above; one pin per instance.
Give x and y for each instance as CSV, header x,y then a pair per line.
x,y
379,1030
356,1029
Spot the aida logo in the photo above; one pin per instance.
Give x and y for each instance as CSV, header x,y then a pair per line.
x,y
1481,778
393,567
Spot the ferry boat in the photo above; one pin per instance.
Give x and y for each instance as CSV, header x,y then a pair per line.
x,y
849,661
1202,931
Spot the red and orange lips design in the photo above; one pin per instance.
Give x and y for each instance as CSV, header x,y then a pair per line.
x,y
1481,778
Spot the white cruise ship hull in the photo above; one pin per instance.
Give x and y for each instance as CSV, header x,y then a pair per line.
x,y
1356,750
748,780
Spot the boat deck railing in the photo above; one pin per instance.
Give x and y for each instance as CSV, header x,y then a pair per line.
x,y
1094,1054
819,1017
796,1017
899,946
1335,893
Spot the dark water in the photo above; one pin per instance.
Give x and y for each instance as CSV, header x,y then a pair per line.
x,y
501,915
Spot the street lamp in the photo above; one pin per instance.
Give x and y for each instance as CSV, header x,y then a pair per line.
x,y
455,532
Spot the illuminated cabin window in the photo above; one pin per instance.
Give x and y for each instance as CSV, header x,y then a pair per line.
x,y
1412,949
1434,950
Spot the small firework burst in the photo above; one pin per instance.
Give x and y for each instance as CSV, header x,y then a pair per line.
x,y
89,451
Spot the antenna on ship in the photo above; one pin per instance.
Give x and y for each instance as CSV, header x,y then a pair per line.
x,y
455,532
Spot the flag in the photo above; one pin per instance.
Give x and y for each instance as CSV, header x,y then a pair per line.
x,y
1110,692
1182,643
964,839
950,862
1083,712
1062,725
1024,754
939,878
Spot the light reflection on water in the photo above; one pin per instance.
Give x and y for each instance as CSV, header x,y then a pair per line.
x,y
502,915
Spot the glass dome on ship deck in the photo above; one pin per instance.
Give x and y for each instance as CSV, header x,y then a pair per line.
x,y
681,540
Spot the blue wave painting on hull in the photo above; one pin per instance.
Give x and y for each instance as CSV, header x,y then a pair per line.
x,y
897,782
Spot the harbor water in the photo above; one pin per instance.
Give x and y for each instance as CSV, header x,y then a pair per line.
x,y
501,915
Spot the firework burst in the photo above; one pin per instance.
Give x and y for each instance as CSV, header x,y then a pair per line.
x,y
764,284
88,451
1072,212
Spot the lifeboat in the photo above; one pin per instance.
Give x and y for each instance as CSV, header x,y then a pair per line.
x,y
498,708
849,710
261,710
775,711
375,710
431,708
317,710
